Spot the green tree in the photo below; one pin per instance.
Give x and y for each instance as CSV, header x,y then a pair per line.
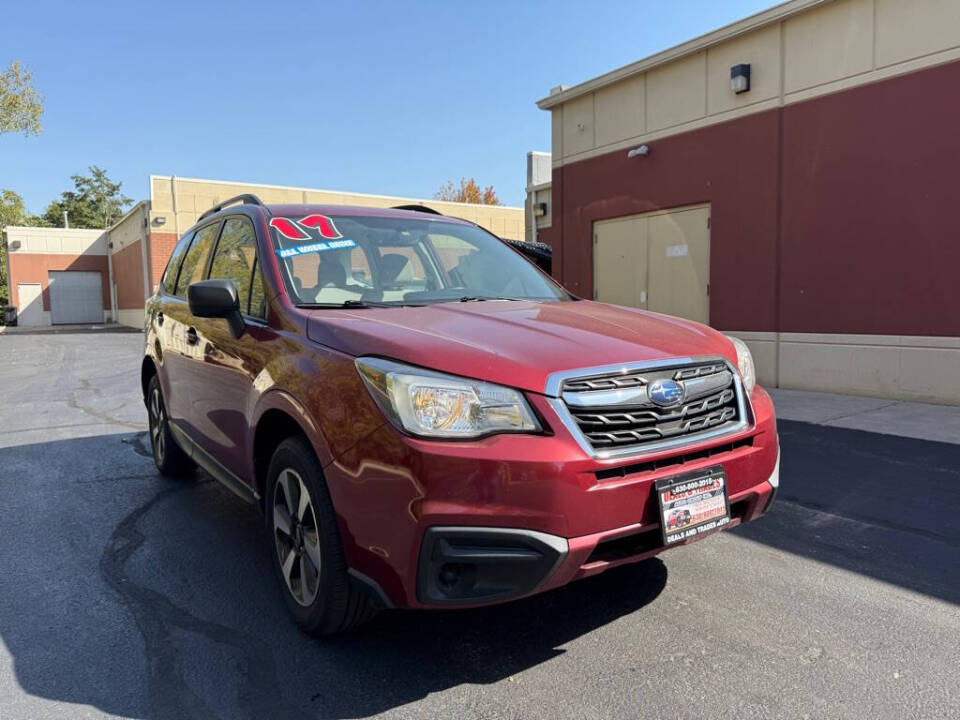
x,y
12,212
95,202
20,105
468,192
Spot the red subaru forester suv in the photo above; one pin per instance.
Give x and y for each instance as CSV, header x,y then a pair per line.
x,y
428,420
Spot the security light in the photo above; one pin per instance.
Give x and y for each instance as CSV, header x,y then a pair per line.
x,y
740,78
642,150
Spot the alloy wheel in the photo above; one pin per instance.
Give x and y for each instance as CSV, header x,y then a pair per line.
x,y
296,537
158,425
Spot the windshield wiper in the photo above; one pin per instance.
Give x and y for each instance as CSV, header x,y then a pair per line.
x,y
481,298
368,304
356,304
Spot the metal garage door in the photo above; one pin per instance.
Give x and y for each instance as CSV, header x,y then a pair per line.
x,y
76,297
657,261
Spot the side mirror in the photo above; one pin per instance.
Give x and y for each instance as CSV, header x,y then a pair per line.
x,y
216,299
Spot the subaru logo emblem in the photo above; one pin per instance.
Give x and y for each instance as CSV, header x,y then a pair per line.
x,y
665,392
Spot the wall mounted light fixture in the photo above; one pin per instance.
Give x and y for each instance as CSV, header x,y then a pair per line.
x,y
161,220
740,78
642,150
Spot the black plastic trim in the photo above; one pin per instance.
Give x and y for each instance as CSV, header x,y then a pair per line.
x,y
372,588
491,564
208,463
417,208
244,199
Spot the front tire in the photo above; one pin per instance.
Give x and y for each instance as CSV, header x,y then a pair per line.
x,y
305,544
169,457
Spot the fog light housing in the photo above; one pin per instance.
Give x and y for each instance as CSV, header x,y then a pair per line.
x,y
469,565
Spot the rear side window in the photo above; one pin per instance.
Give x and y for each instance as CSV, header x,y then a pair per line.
x,y
173,266
195,261
235,260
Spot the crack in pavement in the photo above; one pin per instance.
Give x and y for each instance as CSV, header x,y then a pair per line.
x,y
822,509
103,416
855,413
157,618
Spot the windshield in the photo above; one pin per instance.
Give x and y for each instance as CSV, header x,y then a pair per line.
x,y
336,260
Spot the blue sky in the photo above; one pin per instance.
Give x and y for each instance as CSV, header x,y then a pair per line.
x,y
389,98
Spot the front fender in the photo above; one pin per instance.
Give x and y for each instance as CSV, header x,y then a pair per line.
x,y
279,399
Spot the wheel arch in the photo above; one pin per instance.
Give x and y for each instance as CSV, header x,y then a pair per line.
x,y
148,368
278,417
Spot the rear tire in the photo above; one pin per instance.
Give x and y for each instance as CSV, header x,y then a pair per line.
x,y
169,457
305,545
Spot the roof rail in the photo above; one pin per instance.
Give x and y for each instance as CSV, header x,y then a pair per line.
x,y
245,199
417,208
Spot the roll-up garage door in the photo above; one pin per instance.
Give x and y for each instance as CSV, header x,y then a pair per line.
x,y
76,297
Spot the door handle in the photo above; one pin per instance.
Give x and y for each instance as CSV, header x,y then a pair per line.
x,y
192,337
160,318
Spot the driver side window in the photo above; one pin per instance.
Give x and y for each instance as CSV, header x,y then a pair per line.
x,y
235,259
195,261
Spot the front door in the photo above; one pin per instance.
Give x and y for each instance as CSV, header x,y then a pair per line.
x,y
224,397
679,263
30,310
183,352
620,261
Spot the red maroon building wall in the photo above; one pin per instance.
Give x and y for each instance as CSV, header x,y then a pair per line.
x,y
871,238
833,215
161,248
732,165
36,268
128,271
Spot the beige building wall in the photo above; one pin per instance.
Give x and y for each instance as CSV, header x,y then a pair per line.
x,y
538,194
797,50
129,229
904,367
128,241
178,202
55,241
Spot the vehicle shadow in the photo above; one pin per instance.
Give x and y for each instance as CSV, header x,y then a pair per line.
x,y
161,602
149,598
882,506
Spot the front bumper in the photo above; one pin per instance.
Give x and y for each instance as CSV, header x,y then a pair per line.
x,y
469,566
420,516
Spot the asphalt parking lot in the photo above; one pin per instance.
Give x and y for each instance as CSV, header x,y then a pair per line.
x,y
125,594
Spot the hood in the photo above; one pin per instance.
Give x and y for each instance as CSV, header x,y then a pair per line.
x,y
514,343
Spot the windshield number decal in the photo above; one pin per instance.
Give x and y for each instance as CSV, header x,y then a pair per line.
x,y
299,229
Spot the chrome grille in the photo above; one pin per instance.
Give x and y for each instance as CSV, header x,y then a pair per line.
x,y
613,411
610,383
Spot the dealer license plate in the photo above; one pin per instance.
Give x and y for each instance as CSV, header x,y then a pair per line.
x,y
692,504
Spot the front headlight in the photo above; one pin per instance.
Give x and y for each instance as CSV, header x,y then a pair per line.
x,y
431,404
745,363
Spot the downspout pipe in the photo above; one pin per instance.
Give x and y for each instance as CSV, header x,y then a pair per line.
x,y
111,281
